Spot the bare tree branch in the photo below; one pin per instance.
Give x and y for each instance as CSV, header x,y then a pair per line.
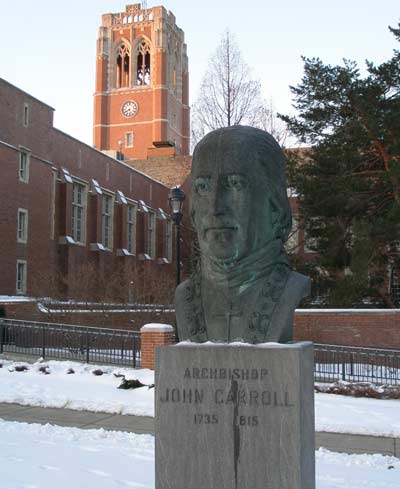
x,y
228,96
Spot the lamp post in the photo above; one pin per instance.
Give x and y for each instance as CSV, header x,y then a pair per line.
x,y
176,198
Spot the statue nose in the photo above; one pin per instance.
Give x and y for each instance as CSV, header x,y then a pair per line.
x,y
218,203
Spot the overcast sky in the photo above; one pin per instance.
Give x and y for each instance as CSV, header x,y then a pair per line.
x,y
48,47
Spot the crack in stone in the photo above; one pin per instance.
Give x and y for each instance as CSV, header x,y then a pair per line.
x,y
235,428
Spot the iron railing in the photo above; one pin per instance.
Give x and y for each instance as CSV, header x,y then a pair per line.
x,y
120,347
68,342
355,364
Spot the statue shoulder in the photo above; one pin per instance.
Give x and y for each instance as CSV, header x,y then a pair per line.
x,y
298,285
183,309
183,291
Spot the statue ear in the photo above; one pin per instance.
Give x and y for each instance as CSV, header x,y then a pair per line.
x,y
191,215
277,220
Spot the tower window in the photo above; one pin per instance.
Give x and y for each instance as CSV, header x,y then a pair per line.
x,y
123,63
143,64
129,139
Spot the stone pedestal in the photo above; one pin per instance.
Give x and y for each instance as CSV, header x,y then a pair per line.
x,y
235,416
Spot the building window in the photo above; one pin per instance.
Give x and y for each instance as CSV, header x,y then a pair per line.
x,y
168,240
143,64
151,234
21,277
23,166
26,115
78,212
22,232
293,239
394,288
131,229
128,140
107,221
123,63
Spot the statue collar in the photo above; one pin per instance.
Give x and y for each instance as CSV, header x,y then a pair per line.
x,y
238,275
256,324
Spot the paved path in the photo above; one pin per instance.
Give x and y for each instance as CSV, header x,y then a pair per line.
x,y
80,419
338,442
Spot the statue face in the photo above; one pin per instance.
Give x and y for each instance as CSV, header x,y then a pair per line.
x,y
230,202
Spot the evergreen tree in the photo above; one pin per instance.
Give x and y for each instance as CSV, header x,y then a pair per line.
x,y
349,182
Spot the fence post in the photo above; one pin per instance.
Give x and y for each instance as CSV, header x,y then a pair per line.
x,y
2,335
87,345
134,351
151,336
43,341
343,366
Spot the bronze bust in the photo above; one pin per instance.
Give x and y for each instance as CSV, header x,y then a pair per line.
x,y
243,288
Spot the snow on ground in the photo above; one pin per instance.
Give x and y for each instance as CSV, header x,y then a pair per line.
x,y
85,391
359,415
81,390
34,456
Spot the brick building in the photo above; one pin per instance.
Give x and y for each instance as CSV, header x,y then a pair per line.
x,y
141,102
75,219
66,206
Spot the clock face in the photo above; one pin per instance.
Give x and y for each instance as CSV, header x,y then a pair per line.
x,y
129,108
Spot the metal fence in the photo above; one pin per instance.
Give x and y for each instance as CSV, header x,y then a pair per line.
x,y
119,347
356,364
67,342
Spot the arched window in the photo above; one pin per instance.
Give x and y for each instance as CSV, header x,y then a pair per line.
x,y
143,64
122,75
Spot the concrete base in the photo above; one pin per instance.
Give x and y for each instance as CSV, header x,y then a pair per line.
x,y
235,416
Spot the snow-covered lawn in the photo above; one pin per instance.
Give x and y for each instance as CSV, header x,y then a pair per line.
x,y
34,456
85,391
81,390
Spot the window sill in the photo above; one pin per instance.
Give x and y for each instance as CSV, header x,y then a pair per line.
x,y
99,247
145,257
66,240
124,252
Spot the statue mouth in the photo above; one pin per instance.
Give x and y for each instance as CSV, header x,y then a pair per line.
x,y
222,228
222,234
218,230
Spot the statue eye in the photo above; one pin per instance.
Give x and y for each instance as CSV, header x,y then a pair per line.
x,y
236,182
202,185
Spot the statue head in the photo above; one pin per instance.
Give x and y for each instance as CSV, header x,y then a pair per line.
x,y
238,193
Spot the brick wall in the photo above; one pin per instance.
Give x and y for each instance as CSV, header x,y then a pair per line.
x,y
129,319
375,328
170,170
367,328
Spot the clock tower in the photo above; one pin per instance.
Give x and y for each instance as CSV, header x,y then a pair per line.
x,y
141,102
